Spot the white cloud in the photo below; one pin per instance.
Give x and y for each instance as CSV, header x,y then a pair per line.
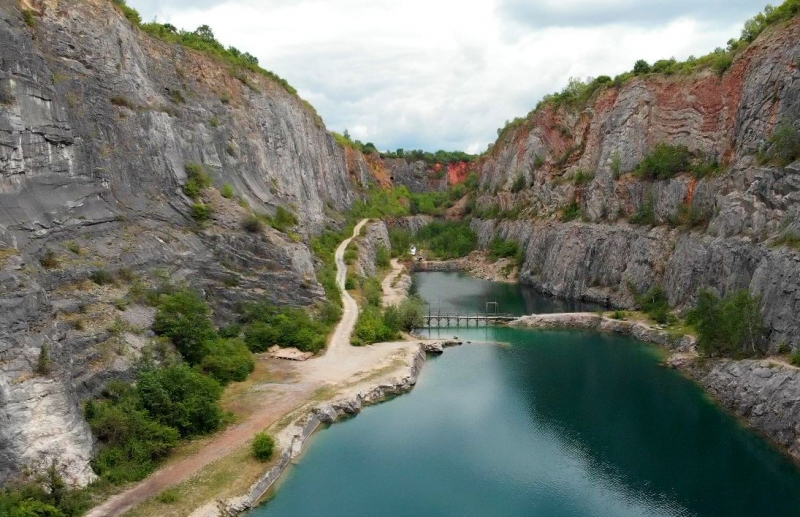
x,y
444,73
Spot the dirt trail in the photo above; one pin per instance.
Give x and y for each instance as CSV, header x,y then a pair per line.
x,y
396,284
341,365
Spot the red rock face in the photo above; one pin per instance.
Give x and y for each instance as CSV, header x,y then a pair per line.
x,y
458,172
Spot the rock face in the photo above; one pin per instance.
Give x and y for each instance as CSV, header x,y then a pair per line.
x,y
764,392
98,122
721,232
376,236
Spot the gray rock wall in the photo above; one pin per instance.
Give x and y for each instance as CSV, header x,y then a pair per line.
x,y
376,236
740,213
97,124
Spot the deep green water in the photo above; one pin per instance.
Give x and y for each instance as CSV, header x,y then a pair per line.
x,y
548,424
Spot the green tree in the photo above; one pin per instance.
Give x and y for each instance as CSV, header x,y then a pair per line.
x,y
185,318
263,446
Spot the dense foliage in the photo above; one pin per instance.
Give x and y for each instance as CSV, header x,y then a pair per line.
x,y
665,161
448,239
729,326
42,495
267,325
655,303
501,248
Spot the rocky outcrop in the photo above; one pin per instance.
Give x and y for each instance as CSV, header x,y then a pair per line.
x,y
720,232
591,321
766,393
98,122
375,236
412,223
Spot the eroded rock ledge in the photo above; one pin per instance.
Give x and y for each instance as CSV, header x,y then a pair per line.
x,y
292,439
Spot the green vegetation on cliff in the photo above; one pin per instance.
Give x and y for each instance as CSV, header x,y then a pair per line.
x,y
729,326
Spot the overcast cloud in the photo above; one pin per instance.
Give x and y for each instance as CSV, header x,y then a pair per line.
x,y
445,74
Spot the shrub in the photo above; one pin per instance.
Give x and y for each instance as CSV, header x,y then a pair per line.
x,y
49,260
351,254
29,15
655,303
788,239
641,67
407,316
185,318
582,177
500,248
732,325
646,214
283,220
350,282
131,14
119,100
371,327
382,257
252,224
619,315
43,363
785,142
196,180
704,169
227,360
616,164
168,496
795,358
263,446
102,277
182,398
201,212
6,97
227,191
400,240
519,183
665,162
571,211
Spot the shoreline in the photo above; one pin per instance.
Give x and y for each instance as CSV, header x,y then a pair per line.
x,y
294,436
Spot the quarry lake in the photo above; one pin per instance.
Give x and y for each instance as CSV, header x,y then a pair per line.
x,y
544,423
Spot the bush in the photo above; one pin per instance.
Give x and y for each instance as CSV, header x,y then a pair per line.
x,y
582,177
665,162
43,363
283,220
185,318
196,180
252,224
181,398
646,214
728,326
641,67
372,291
228,360
371,327
168,496
42,494
201,212
49,260
500,248
382,258
785,142
655,303
400,240
102,277
227,191
29,15
263,446
519,183
407,316
571,212
795,358
616,164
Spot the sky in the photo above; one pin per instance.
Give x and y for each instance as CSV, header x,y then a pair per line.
x,y
445,74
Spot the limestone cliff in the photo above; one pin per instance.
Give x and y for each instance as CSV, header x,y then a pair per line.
x,y
98,121
582,159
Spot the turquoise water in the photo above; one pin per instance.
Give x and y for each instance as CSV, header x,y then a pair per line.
x,y
547,424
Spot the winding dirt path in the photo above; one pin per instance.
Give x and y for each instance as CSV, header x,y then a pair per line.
x,y
341,363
